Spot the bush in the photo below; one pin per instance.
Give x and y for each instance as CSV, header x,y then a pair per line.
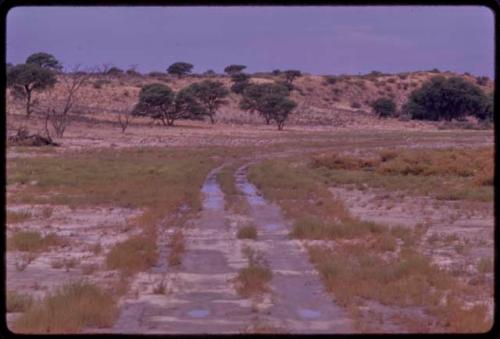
x,y
446,99
384,107
356,105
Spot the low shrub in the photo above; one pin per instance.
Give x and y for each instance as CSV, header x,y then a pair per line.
x,y
68,310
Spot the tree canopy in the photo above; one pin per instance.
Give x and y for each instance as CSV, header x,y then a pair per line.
x,y
180,68
44,60
23,79
443,98
232,69
384,107
158,101
209,95
269,100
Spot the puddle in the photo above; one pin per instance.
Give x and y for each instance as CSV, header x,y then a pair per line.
x,y
214,198
308,313
251,193
271,227
198,313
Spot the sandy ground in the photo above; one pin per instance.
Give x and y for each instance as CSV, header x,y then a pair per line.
x,y
201,290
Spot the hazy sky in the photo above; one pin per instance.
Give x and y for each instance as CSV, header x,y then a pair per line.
x,y
319,40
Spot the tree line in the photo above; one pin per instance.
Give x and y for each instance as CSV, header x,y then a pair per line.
x,y
439,98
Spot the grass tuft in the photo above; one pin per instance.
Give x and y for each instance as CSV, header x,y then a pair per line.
x,y
68,310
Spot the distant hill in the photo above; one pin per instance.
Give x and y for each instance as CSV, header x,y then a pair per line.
x,y
320,99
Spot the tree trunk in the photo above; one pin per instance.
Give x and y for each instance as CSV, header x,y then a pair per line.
x,y
280,125
28,102
212,121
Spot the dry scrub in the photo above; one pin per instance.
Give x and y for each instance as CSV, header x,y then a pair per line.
x,y
447,174
254,279
369,261
68,310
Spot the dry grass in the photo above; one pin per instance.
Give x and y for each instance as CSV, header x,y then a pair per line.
x,y
177,247
247,232
446,174
16,302
68,310
312,227
33,241
133,255
156,180
367,261
14,217
254,279
485,265
234,199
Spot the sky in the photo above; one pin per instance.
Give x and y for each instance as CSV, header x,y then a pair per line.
x,y
316,40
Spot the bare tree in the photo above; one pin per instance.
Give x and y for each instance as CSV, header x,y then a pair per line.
x,y
124,119
57,108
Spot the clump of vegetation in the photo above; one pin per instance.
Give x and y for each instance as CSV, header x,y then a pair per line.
x,y
384,107
68,310
353,273
234,69
247,232
270,101
180,69
33,241
177,248
253,279
448,174
313,227
37,74
15,217
443,98
16,302
132,255
485,265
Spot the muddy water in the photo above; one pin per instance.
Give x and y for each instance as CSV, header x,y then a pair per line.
x,y
199,295
299,302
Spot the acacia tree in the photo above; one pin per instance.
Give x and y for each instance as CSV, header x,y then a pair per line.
x,y
23,79
158,101
233,69
180,68
44,60
270,101
240,82
209,95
